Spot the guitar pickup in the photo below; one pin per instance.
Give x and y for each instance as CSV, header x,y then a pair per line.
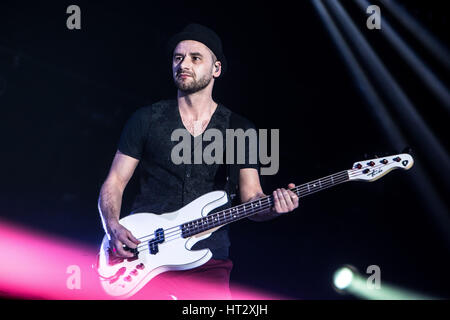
x,y
159,238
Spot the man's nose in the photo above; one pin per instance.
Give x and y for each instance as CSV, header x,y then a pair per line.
x,y
185,64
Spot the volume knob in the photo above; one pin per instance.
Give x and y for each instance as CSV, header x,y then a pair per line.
x,y
140,266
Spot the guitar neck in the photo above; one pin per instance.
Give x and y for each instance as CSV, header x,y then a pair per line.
x,y
259,205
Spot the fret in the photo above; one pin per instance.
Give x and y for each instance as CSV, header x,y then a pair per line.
x,y
331,180
260,205
314,185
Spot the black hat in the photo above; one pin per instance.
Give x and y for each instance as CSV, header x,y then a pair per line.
x,y
202,34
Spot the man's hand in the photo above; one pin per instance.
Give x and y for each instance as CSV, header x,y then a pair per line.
x,y
285,200
121,236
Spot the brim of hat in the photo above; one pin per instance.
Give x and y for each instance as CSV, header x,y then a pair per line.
x,y
173,42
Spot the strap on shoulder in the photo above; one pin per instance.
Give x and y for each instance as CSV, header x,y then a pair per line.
x,y
232,170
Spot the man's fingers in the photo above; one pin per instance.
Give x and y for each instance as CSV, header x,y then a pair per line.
x,y
287,198
277,205
294,198
292,195
283,204
128,242
120,251
132,238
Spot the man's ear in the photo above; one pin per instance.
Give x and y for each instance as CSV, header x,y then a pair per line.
x,y
217,69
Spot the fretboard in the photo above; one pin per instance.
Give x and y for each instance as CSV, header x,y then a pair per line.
x,y
260,205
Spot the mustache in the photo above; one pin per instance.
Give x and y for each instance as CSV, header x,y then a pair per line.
x,y
183,72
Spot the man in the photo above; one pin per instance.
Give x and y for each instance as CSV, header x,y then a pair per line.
x,y
197,61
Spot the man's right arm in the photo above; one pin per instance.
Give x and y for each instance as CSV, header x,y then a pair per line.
x,y
110,202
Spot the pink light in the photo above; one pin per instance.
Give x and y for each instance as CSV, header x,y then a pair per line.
x,y
35,266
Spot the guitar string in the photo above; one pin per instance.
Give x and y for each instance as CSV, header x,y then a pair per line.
x,y
337,176
326,184
228,217
175,234
300,189
242,206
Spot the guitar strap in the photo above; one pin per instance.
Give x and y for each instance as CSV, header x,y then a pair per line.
x,y
232,170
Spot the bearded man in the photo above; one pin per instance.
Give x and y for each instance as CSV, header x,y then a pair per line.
x,y
197,62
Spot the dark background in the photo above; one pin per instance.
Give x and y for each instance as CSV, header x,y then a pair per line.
x,y
66,94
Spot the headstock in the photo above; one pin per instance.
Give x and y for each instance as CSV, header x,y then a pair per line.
x,y
373,169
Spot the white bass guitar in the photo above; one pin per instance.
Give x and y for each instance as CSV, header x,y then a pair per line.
x,y
167,239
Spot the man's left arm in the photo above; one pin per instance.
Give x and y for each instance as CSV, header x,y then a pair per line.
x,y
250,189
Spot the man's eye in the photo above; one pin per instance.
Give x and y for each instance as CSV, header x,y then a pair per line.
x,y
177,58
196,58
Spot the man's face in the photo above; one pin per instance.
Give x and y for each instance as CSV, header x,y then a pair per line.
x,y
192,66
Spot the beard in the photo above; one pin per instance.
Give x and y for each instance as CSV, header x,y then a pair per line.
x,y
191,85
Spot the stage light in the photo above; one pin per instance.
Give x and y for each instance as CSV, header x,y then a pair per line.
x,y
363,81
35,265
426,38
343,278
424,137
415,62
348,280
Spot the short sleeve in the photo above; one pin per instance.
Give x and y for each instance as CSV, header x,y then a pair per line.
x,y
134,134
251,147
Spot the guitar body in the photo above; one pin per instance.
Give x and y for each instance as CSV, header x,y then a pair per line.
x,y
122,278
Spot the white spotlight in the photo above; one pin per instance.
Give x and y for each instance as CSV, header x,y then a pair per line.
x,y
343,278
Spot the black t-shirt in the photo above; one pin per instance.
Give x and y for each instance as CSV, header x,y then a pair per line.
x,y
166,186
